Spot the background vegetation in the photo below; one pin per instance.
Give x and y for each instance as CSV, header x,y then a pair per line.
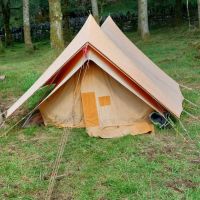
x,y
169,13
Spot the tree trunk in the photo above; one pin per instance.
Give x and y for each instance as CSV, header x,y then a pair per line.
x,y
95,10
66,26
5,6
143,26
56,32
1,46
178,12
27,30
67,35
198,1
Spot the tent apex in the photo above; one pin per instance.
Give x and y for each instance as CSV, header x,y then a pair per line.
x,y
89,26
108,20
90,19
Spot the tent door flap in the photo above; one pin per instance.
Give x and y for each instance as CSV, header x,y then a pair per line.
x,y
90,109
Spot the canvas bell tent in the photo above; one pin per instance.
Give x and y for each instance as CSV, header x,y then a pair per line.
x,y
105,83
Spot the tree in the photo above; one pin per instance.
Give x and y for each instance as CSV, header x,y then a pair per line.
x,y
95,10
5,10
66,26
178,12
143,26
56,31
198,1
1,46
26,20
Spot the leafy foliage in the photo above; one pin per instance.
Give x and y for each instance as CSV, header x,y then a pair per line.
x,y
39,8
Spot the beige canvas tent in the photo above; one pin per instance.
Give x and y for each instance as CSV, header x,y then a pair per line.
x,y
105,83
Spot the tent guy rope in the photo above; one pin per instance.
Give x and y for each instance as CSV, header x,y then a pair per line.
x,y
63,140
27,116
192,103
191,115
57,163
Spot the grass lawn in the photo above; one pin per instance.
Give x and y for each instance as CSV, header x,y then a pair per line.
x,y
161,166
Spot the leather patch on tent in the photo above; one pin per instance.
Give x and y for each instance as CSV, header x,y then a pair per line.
x,y
104,101
90,109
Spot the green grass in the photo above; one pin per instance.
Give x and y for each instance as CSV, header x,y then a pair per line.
x,y
160,166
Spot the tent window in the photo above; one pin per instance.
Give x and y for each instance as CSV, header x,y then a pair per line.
x,y
104,101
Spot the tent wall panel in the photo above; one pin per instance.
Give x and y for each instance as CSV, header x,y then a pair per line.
x,y
120,77
64,108
124,109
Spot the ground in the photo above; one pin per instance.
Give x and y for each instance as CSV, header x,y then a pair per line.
x,y
161,166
